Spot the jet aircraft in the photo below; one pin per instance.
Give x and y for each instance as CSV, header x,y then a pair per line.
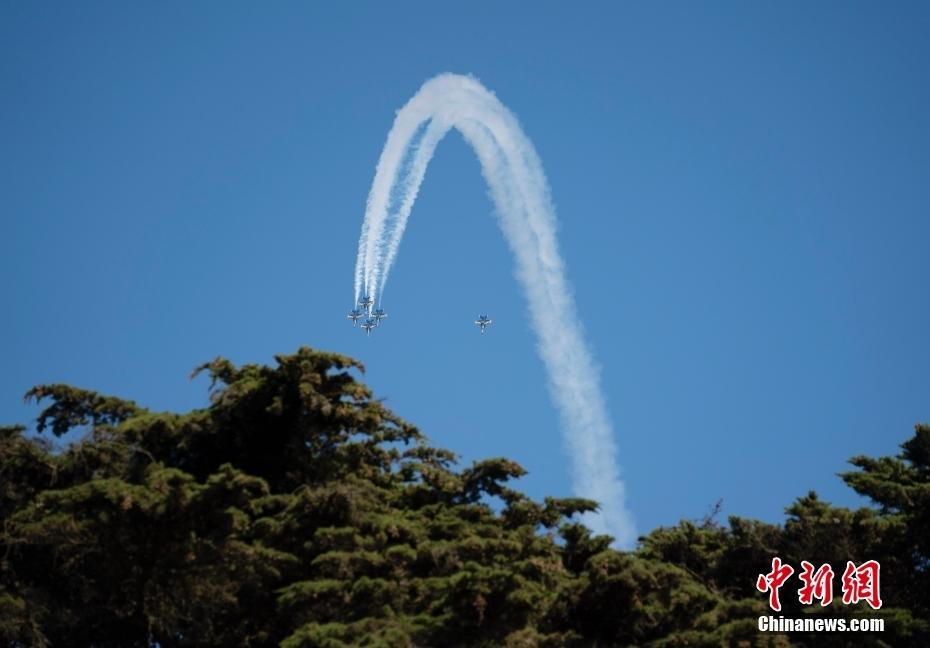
x,y
379,315
355,315
369,325
366,302
483,322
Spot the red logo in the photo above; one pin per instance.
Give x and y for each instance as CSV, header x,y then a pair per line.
x,y
817,585
859,583
772,581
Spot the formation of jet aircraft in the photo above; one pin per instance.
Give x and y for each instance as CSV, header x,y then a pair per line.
x,y
372,318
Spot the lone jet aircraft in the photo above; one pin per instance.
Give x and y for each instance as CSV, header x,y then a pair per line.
x,y
369,325
366,302
355,315
379,315
483,322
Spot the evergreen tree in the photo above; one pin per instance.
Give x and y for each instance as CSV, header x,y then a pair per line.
x,y
297,510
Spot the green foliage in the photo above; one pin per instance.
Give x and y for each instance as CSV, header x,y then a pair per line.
x,y
297,510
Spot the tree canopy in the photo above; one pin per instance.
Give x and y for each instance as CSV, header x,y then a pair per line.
x,y
296,509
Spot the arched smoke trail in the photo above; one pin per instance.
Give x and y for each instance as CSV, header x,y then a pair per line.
x,y
517,185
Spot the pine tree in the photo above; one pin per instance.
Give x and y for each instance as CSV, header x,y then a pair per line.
x,y
295,509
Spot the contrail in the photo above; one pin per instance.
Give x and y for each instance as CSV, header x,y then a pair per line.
x,y
517,185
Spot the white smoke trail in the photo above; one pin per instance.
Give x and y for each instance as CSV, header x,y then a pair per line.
x,y
518,187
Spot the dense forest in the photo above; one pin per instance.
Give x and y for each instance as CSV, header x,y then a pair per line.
x,y
296,510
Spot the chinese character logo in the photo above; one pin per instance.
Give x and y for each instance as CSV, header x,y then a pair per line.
x,y
772,581
861,583
817,585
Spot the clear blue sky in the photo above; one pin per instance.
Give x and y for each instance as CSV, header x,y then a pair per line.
x,y
743,191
